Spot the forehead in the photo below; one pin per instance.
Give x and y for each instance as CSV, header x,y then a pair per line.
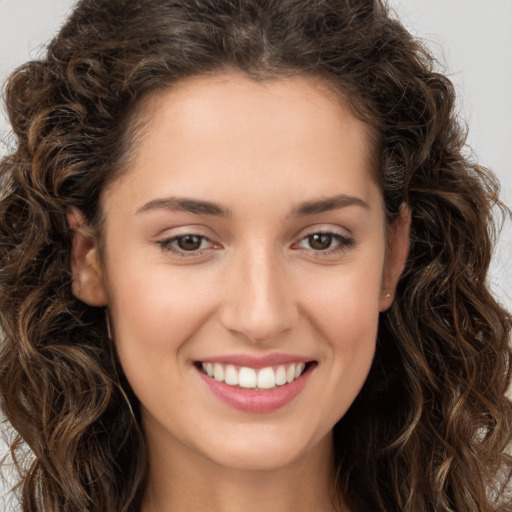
x,y
209,99
229,130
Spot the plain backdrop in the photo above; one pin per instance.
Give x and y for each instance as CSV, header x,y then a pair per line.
x,y
471,38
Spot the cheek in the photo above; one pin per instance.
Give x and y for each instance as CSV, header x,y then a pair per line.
x,y
154,313
350,329
347,300
346,313
154,318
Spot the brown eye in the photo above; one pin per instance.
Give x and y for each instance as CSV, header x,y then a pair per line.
x,y
320,241
325,243
189,242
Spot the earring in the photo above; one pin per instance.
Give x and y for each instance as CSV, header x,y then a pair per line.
x,y
388,296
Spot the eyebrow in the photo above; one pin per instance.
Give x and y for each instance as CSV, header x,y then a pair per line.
x,y
200,207
328,204
196,206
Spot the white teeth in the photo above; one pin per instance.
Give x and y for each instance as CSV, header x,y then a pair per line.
x,y
290,373
280,376
218,372
266,378
245,377
231,376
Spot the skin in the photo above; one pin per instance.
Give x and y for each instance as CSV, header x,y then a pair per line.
x,y
257,285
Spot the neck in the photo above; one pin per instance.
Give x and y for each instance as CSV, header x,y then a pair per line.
x,y
185,481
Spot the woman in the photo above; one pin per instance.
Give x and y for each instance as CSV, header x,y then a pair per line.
x,y
243,267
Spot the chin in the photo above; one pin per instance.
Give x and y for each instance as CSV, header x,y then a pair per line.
x,y
264,452
255,459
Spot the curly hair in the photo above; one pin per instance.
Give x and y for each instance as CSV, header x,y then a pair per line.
x,y
429,430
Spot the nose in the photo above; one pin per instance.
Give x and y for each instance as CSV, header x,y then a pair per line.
x,y
259,301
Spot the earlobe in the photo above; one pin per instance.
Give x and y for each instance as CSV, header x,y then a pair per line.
x,y
396,256
86,272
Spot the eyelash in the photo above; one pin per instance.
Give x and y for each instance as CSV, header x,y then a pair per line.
x,y
343,243
166,245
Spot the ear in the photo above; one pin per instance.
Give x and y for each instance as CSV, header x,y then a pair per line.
x,y
396,256
87,278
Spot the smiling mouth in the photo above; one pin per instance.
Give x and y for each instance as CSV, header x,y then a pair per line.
x,y
263,379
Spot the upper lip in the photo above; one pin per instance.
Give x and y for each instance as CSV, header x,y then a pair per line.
x,y
257,362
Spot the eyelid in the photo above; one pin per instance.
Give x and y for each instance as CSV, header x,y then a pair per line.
x,y
166,243
344,240
330,229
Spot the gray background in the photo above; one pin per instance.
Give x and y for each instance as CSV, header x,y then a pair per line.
x,y
472,38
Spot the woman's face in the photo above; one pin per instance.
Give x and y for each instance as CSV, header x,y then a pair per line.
x,y
247,239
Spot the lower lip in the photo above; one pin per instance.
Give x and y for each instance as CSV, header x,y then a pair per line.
x,y
250,400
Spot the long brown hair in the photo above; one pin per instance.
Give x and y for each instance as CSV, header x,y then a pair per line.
x,y
429,430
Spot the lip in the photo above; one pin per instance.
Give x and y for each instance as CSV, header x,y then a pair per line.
x,y
257,362
256,401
